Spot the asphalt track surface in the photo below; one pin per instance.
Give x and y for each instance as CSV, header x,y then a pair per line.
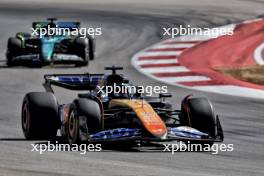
x,y
127,28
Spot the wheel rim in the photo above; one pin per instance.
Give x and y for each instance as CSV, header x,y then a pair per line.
x,y
72,127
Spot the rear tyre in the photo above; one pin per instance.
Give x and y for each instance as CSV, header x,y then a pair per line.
x,y
40,116
84,118
91,47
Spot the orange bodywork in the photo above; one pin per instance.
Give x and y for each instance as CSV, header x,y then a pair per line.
x,y
146,114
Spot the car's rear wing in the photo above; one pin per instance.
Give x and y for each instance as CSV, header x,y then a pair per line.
x,y
67,24
60,24
72,81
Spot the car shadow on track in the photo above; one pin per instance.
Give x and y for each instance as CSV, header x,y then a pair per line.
x,y
123,147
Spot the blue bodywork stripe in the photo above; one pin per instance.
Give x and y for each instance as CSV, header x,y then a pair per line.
x,y
116,133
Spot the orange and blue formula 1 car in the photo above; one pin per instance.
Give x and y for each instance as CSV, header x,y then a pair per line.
x,y
97,116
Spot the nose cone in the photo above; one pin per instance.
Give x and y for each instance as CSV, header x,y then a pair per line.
x,y
149,118
146,114
153,124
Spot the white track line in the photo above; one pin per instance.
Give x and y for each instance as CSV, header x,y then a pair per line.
x,y
165,70
164,46
160,53
157,61
185,79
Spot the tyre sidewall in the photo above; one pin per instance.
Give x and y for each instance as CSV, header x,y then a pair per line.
x,y
201,114
43,121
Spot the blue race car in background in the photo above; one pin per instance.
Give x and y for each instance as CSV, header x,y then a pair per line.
x,y
39,50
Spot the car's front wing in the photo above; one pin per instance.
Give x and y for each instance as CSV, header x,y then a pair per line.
x,y
56,59
128,134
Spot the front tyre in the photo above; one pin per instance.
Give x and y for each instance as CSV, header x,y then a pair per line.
x,y
84,119
81,50
198,113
